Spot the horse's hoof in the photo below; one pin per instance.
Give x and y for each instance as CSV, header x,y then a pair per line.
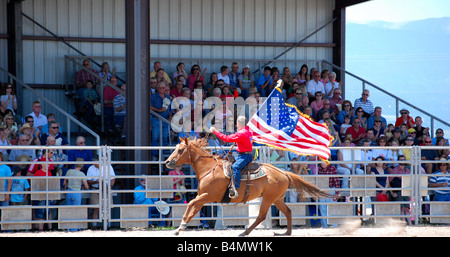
x,y
242,234
283,234
176,233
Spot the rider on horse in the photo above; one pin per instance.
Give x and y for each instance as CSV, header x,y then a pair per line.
x,y
244,148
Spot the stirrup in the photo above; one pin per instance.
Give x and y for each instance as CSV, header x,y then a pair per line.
x,y
233,193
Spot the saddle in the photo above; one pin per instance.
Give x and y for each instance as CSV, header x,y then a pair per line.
x,y
252,171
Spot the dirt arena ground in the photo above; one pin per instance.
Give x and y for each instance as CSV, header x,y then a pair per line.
x,y
392,229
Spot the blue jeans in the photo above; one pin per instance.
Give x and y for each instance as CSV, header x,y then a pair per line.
x,y
73,198
241,161
441,197
156,133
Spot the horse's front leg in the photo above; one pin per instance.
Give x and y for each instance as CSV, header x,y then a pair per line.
x,y
192,209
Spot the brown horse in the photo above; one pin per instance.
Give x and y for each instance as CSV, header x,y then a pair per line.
x,y
212,183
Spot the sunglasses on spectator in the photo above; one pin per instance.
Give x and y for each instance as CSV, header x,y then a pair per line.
x,y
403,113
428,142
55,127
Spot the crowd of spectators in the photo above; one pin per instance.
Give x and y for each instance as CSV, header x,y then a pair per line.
x,y
315,93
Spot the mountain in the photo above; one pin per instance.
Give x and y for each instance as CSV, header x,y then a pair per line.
x,y
410,60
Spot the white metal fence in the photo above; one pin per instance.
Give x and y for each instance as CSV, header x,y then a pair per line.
x,y
116,207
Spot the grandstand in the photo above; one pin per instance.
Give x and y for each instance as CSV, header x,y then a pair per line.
x,y
44,44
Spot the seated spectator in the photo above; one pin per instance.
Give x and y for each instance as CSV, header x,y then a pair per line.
x,y
245,81
83,75
403,132
336,101
412,132
212,81
345,126
140,198
439,133
395,183
441,180
314,85
163,76
376,115
346,110
317,104
28,130
440,141
177,90
180,72
264,81
302,76
378,127
74,154
225,93
23,141
53,130
39,118
275,77
397,135
420,131
303,104
395,153
4,141
365,103
366,155
120,104
370,138
409,141
381,182
195,76
233,76
287,77
50,117
430,155
405,119
356,131
360,114
8,99
385,153
296,99
309,111
331,85
11,129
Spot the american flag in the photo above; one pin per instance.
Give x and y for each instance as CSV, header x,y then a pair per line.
x,y
282,126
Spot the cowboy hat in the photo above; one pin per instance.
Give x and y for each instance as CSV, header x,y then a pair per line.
x,y
25,126
162,207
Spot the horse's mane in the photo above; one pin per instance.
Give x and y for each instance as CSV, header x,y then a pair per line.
x,y
199,142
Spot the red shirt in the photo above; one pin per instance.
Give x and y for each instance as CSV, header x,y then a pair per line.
x,y
361,131
243,139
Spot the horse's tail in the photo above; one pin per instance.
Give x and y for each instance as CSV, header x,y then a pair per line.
x,y
302,186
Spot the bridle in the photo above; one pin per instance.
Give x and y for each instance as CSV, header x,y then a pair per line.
x,y
198,158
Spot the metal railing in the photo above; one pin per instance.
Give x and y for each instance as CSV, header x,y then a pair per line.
x,y
115,209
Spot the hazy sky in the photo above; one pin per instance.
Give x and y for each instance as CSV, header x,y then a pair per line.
x,y
398,10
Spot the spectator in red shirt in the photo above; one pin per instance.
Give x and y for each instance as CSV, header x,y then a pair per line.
x,y
242,138
405,119
357,131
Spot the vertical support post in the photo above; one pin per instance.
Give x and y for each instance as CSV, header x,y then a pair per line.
x,y
138,78
15,45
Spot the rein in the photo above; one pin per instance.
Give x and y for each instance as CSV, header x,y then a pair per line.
x,y
203,156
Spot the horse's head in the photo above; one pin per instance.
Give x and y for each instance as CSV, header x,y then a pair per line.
x,y
180,155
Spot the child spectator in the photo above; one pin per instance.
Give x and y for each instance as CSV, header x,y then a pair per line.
x,y
19,185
